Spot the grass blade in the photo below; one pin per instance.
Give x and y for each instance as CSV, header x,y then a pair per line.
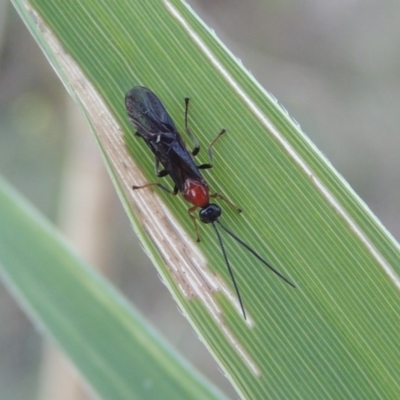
x,y
119,355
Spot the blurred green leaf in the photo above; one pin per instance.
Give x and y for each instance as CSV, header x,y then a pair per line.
x,y
118,353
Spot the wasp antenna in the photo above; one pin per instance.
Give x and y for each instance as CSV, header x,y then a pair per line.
x,y
221,244
255,254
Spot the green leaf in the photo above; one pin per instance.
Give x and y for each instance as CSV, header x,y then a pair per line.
x,y
118,353
335,335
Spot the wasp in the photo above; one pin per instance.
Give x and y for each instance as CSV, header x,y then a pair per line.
x,y
155,126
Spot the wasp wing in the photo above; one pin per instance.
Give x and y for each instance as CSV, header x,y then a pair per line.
x,y
147,113
156,127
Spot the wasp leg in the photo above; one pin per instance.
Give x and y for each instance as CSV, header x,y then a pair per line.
x,y
173,192
219,196
210,153
196,148
191,210
159,173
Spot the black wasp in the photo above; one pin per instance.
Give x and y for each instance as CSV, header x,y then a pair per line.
x,y
155,126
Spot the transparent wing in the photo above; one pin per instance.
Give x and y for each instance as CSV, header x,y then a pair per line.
x,y
147,113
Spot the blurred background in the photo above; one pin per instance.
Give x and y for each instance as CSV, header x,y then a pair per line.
x,y
335,66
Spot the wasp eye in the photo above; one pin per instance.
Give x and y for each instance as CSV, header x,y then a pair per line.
x,y
210,213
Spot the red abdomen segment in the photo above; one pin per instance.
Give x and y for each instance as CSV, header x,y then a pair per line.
x,y
196,192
